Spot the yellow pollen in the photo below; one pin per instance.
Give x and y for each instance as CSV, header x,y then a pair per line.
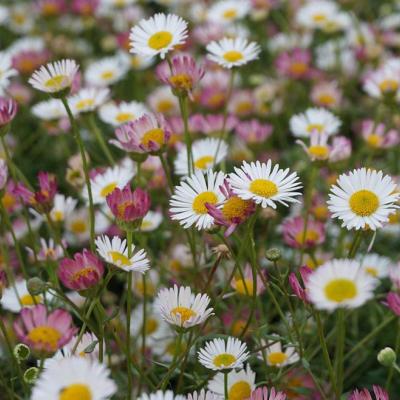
x,y
230,13
371,271
340,289
151,326
153,135
235,207
124,117
28,300
239,391
106,75
119,258
204,162
298,68
389,85
78,226
57,216
56,82
184,312
224,360
364,203
277,358
245,286
199,202
84,103
83,273
264,188
160,40
319,152
182,81
76,391
315,127
108,189
311,236
374,140
45,336
165,106
233,56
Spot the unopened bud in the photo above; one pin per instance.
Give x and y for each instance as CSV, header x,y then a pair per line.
x,y
21,352
273,254
35,286
31,374
387,357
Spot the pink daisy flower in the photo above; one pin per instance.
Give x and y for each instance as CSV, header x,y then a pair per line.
x,y
294,235
263,393
364,394
8,110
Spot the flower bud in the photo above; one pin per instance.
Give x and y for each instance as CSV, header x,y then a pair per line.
x,y
21,352
387,357
35,286
273,254
31,374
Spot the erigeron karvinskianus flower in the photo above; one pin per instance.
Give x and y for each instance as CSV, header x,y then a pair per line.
x,y
88,100
276,357
220,354
42,331
376,265
393,302
377,136
364,394
244,285
226,12
160,395
49,251
383,83
117,114
8,111
203,395
264,393
6,71
253,131
300,290
363,198
180,307
295,236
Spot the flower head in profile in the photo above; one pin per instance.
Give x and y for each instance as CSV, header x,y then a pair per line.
x,y
276,357
16,297
160,395
364,394
42,331
299,290
378,136
393,302
82,272
203,395
295,64
295,236
244,284
6,71
8,110
264,393
158,35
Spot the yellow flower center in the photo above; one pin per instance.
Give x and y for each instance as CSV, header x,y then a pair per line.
x,y
374,140
389,85
204,162
340,289
124,117
57,216
146,224
264,188
235,207
119,258
49,9
364,203
245,286
153,135
199,202
244,107
106,75
326,99
184,312
239,391
277,358
298,68
28,300
56,82
224,360
319,152
182,81
108,189
371,271
310,236
76,391
233,56
230,13
151,326
160,40
82,273
46,336
19,19
8,200
165,106
78,226
319,17
394,218
315,127
84,103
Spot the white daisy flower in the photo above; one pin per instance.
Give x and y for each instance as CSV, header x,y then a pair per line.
x,y
240,384
265,185
3,14
16,297
275,357
376,265
104,183
20,18
115,252
203,395
121,113
160,395
162,100
363,198
314,119
220,354
158,35
54,77
6,71
339,283
49,110
106,71
88,99
179,307
206,154
151,221
74,378
228,11
117,3
383,82
233,52
63,206
188,203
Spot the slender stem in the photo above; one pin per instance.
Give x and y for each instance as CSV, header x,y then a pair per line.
x,y
356,244
144,322
226,385
183,105
100,139
341,331
128,318
167,171
174,364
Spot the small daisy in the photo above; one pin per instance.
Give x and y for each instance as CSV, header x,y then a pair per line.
x,y
54,77
364,394
240,384
104,183
121,113
384,82
265,185
88,99
363,198
151,221
206,154
228,11
317,14
221,355
180,307
86,341
188,204
158,35
160,395
74,378
115,252
233,52
163,101
376,265
275,357
203,395
62,207
48,251
314,119
49,110
265,393
339,283
17,296
106,71
6,72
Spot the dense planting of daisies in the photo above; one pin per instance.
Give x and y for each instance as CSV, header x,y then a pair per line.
x,y
199,200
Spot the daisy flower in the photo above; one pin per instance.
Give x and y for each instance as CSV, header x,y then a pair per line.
x,y
74,378
363,198
104,183
88,99
158,35
151,221
228,11
265,185
49,110
6,71
378,136
160,395
62,207
233,52
275,357
220,354
206,154
384,82
244,285
163,101
364,394
121,113
188,203
294,235
263,393
8,110
16,297
203,395
240,384
106,71
314,119
115,252
339,283
317,14
48,251
180,307
55,77
376,265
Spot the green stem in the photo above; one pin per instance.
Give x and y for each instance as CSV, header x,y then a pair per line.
x,y
183,105
167,171
144,323
226,385
128,318
340,338
356,244
100,139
